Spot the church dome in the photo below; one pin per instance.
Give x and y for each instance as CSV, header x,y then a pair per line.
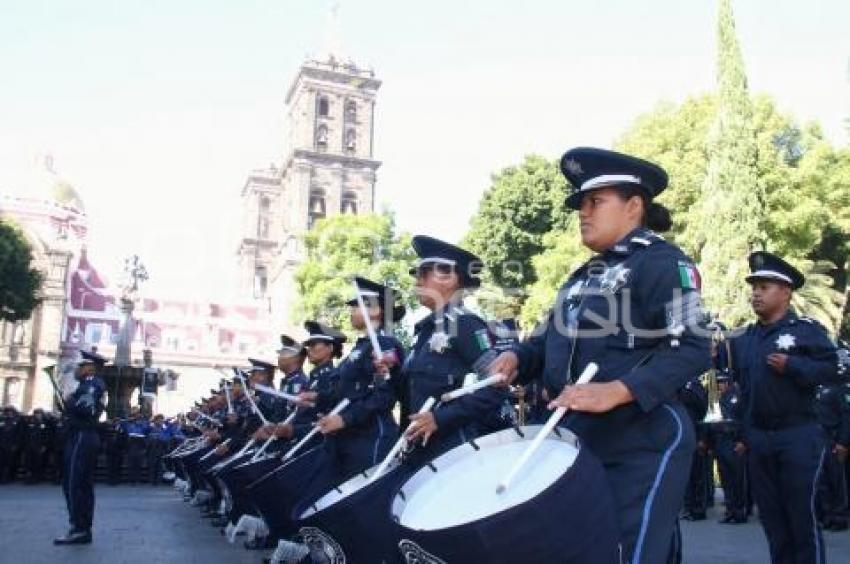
x,y
46,185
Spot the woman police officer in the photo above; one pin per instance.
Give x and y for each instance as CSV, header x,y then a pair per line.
x,y
635,310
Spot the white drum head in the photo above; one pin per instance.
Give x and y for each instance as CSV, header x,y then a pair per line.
x,y
464,487
344,490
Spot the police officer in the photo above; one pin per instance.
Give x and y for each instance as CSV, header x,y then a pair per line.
x,y
136,429
290,361
83,409
635,310
694,397
778,362
726,441
363,433
449,343
324,344
158,439
38,433
11,442
832,406
115,446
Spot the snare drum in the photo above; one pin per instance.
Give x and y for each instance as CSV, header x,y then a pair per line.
x,y
350,523
558,509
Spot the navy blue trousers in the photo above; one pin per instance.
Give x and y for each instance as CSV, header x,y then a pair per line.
x,y
784,468
647,466
733,477
79,463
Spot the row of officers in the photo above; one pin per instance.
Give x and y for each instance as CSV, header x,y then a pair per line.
x,y
633,311
31,446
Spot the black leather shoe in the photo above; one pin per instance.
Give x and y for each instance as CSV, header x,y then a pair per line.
x,y
74,537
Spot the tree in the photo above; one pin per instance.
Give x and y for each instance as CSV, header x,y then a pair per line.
x,y
524,203
341,247
19,281
731,195
563,253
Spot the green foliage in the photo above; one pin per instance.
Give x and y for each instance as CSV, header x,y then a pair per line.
x,y
524,203
341,247
562,255
19,281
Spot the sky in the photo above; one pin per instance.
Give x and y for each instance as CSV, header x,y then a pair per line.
x,y
156,110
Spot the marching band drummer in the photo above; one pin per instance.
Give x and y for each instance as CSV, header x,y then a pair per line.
x,y
635,310
290,360
450,342
323,345
362,434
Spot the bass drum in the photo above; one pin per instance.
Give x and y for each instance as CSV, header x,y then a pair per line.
x,y
350,524
558,509
275,494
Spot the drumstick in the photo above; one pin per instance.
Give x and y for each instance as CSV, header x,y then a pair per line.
x,y
489,381
399,444
254,407
208,418
271,439
339,407
227,397
272,392
589,372
210,453
376,347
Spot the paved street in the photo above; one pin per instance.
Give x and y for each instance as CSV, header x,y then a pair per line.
x,y
146,525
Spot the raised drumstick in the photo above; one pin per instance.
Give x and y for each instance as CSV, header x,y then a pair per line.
x,y
586,376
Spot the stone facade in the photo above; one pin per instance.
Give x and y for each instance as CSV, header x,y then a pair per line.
x,y
328,168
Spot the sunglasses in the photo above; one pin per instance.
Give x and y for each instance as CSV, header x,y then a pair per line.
x,y
423,270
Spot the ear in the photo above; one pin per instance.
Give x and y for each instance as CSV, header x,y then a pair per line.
x,y
634,207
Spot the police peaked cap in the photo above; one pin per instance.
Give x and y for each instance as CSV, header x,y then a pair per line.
x,y
433,251
767,266
588,169
384,296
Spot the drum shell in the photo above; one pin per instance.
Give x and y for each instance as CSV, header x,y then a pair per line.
x,y
276,493
572,521
359,524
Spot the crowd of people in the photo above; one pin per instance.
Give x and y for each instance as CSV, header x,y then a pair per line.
x,y
131,448
330,465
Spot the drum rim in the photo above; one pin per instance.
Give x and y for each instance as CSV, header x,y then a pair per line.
x,y
563,434
364,475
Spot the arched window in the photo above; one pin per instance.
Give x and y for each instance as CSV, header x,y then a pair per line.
x,y
323,106
316,209
260,281
350,110
349,203
351,140
322,137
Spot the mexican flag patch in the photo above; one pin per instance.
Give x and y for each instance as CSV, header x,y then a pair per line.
x,y
689,276
483,339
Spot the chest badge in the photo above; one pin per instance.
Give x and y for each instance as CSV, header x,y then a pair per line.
x,y
785,342
438,342
614,278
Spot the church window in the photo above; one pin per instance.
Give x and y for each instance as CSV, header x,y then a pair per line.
x,y
350,140
349,203
316,209
322,137
323,107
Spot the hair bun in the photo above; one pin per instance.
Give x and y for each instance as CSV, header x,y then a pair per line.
x,y
658,218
